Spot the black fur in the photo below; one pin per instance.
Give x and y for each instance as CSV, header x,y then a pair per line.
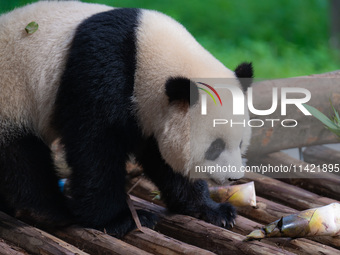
x,y
181,89
28,184
94,117
245,74
180,194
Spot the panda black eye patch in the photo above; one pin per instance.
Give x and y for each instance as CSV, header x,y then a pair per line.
x,y
215,149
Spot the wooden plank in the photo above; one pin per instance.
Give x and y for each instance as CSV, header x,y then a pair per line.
x,y
205,235
135,242
32,239
265,212
10,249
322,183
309,131
321,154
97,242
160,244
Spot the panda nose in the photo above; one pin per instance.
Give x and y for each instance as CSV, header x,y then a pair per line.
x,y
215,149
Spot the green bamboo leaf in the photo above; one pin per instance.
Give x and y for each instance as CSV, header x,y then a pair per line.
x,y
336,131
31,28
336,117
322,117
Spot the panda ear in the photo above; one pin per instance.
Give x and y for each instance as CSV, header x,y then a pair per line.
x,y
180,89
244,72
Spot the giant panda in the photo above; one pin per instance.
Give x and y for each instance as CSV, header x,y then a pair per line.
x,y
109,82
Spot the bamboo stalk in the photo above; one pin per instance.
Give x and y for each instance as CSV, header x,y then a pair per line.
x,y
301,246
321,155
267,211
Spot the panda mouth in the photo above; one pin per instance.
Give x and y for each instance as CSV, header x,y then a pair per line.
x,y
219,183
232,180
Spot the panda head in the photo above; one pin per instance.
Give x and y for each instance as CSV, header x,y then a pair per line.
x,y
210,151
168,59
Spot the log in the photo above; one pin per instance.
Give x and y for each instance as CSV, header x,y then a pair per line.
x,y
160,244
10,249
321,155
244,226
33,240
205,235
309,130
312,247
325,184
267,211
97,242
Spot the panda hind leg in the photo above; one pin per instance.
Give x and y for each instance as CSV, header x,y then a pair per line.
x,y
97,184
29,185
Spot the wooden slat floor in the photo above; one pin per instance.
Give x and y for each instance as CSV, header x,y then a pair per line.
x,y
179,234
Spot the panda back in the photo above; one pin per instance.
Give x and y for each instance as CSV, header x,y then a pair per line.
x,y
31,65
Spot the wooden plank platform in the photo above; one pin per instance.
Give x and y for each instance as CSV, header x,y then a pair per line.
x,y
179,234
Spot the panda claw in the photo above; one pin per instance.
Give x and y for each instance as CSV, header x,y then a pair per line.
x,y
224,223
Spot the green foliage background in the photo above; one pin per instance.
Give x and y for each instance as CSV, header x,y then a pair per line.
x,y
283,38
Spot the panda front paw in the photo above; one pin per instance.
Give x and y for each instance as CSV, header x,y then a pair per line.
x,y
222,215
123,225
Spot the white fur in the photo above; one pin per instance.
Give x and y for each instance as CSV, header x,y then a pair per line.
x,y
165,49
31,65
203,134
